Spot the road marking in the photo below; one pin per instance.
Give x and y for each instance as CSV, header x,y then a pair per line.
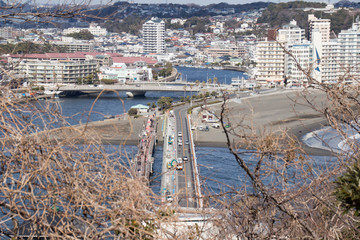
x,y
186,190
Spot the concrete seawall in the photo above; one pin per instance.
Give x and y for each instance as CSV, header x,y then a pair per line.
x,y
174,75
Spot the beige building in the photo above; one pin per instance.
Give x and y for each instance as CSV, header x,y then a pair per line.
x,y
55,71
321,25
72,47
223,50
270,58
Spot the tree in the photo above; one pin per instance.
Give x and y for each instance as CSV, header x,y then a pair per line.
x,y
215,80
132,112
197,83
59,181
348,189
164,103
82,35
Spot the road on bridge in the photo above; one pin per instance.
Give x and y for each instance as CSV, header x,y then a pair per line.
x,y
185,177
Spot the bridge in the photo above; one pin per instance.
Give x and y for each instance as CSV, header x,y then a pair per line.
x,y
139,88
143,160
180,179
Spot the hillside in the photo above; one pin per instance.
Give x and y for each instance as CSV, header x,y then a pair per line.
x,y
280,14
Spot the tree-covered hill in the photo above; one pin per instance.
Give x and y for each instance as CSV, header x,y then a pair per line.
x,y
279,14
347,4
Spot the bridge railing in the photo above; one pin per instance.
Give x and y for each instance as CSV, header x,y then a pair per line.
x,y
195,166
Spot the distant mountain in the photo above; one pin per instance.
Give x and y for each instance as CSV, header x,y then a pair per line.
x,y
120,10
239,7
348,4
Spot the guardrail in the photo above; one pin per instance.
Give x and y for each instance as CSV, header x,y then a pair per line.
x,y
195,168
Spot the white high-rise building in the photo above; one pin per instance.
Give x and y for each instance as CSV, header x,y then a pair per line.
x,y
321,25
330,61
298,63
154,36
349,53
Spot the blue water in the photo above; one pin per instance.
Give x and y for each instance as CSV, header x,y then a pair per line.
x,y
78,108
202,74
218,168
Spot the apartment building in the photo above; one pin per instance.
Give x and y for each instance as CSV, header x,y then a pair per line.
x,y
270,58
321,25
121,73
298,63
349,53
78,46
154,36
291,33
55,71
330,61
233,50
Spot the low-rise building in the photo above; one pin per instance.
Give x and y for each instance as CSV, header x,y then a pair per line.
x,y
55,71
76,46
120,73
94,29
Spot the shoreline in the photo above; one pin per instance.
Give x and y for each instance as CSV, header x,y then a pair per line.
x,y
272,114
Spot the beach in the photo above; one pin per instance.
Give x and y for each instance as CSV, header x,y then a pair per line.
x,y
274,112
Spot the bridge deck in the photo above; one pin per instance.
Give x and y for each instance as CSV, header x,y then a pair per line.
x,y
144,160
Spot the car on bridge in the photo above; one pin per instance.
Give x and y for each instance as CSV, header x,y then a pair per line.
x,y
169,198
179,164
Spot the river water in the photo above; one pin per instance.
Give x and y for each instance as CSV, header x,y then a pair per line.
x,y
217,166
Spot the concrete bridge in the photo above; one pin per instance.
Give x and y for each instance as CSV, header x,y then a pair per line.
x,y
139,88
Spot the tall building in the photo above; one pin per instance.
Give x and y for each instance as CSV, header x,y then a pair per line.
x,y
330,61
298,63
349,53
270,58
154,36
321,25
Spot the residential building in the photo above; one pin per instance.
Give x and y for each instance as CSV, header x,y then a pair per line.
x,y
291,33
330,61
120,73
76,46
298,63
321,25
6,32
270,58
349,53
154,36
55,71
94,29
232,50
